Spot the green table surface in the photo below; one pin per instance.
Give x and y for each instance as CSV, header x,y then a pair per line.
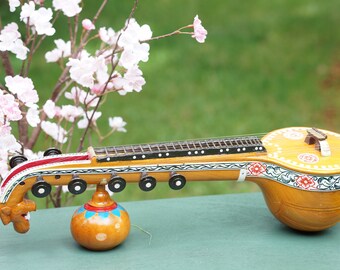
x,y
210,232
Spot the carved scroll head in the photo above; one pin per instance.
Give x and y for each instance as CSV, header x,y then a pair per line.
x,y
18,215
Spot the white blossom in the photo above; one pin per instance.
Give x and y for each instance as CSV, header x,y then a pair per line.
x,y
63,50
83,123
32,116
49,108
24,89
55,131
70,112
5,129
10,143
39,19
108,36
131,56
78,95
10,40
131,81
134,33
117,123
84,69
70,8
13,4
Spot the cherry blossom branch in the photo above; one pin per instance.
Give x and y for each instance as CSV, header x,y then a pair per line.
x,y
6,63
56,91
176,32
82,139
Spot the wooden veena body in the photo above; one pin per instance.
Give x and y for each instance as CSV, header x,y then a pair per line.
x,y
298,170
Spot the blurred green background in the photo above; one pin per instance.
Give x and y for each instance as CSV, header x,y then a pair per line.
x,y
265,65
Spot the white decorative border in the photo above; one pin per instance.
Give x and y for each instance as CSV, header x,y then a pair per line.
x,y
254,169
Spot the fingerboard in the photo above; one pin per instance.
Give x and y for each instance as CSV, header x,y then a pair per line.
x,y
236,145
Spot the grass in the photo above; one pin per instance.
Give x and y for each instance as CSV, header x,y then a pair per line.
x,y
261,68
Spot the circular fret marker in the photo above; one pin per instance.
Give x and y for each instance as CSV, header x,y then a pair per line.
x,y
143,156
221,150
189,153
160,155
202,152
134,157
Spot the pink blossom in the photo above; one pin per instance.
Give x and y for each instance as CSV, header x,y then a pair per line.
x,y
88,25
55,131
10,40
32,116
24,89
63,50
70,8
117,123
83,123
97,89
9,107
200,33
5,130
39,2
9,143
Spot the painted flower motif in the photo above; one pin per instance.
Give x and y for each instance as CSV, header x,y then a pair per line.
x,y
306,182
257,168
308,158
200,33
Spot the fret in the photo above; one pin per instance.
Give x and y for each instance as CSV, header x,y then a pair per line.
x,y
181,148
